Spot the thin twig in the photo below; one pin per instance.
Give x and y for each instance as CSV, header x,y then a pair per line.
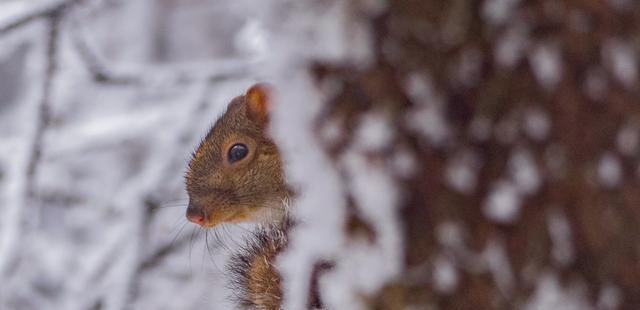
x,y
103,72
40,11
44,107
160,253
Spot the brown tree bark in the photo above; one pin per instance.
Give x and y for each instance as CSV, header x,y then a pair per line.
x,y
533,172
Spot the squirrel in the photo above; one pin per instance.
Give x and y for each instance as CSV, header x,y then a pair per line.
x,y
236,175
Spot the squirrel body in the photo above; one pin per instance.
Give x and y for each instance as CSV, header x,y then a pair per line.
x,y
236,175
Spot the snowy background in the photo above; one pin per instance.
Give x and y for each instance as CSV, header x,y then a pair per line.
x,y
100,107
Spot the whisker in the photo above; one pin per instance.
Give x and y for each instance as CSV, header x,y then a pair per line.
x,y
173,240
168,206
221,242
235,243
206,240
193,231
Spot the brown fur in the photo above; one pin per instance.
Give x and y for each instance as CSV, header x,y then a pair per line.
x,y
241,191
255,278
246,190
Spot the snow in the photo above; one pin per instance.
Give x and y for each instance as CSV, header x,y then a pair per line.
x,y
524,172
550,294
537,124
321,206
498,12
445,275
499,266
430,122
609,297
321,199
561,238
628,139
109,153
252,39
13,11
427,117
622,60
403,163
374,133
511,45
109,196
461,172
503,202
546,63
609,170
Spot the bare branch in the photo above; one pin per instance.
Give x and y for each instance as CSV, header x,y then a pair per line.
x,y
104,72
44,107
160,253
37,11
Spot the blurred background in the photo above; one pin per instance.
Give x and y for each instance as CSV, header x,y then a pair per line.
x,y
457,154
101,104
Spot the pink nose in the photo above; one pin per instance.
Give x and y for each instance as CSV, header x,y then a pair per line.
x,y
195,215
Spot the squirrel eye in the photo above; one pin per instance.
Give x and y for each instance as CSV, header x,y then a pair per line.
x,y
237,152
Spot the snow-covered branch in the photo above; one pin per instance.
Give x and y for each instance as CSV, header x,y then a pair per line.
x,y
33,11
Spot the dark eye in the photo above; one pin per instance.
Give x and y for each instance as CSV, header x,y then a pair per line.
x,y
238,152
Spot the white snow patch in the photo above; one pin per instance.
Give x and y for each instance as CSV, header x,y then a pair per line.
x,y
427,117
628,139
503,203
374,133
461,172
537,124
498,12
403,163
321,198
524,172
561,238
331,132
609,297
445,275
421,89
376,198
328,31
610,170
511,45
499,265
546,64
623,61
252,39
550,294
429,121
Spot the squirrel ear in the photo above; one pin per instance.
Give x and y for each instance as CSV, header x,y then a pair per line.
x,y
258,103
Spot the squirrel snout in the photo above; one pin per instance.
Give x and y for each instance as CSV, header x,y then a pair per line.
x,y
195,214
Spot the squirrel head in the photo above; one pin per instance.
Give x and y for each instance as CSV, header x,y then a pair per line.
x,y
236,173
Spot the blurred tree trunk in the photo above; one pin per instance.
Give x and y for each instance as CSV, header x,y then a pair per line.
x,y
523,122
